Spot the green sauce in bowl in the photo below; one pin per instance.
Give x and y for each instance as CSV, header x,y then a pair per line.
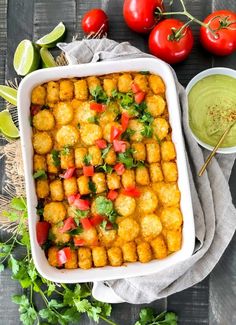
x,y
212,107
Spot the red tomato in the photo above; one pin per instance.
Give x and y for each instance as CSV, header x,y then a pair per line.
x,y
119,168
112,195
63,255
139,97
97,107
168,44
140,15
220,39
96,220
71,198
115,133
42,229
101,143
79,241
88,170
69,224
124,121
119,145
131,191
81,204
68,173
135,88
86,224
95,21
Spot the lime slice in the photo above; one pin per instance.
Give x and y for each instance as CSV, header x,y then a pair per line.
x,y
26,58
47,58
56,35
7,125
9,94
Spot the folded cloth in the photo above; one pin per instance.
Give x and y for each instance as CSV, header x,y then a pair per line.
x,y
214,213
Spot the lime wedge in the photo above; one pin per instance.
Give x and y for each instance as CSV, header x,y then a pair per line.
x,y
56,35
26,58
9,94
7,125
47,58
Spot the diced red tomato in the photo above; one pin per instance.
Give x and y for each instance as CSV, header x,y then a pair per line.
x,y
79,241
96,220
34,109
112,195
68,173
71,198
42,229
119,145
88,170
119,168
69,224
131,191
63,255
124,121
115,133
139,97
81,204
97,107
101,143
135,88
86,224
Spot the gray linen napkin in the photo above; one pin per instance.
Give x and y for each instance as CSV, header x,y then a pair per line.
x,y
214,213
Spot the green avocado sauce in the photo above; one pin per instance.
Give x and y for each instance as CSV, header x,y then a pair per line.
x,y
212,107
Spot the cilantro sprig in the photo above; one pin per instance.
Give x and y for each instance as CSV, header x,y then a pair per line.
x,y
148,317
40,174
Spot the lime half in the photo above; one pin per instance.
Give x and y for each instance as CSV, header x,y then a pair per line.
x,y
56,35
47,58
7,125
9,94
26,58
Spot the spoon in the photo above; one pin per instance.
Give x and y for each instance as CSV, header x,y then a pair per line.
x,y
215,149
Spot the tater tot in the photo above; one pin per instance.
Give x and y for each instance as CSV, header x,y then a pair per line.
x,y
67,135
52,165
90,236
128,178
38,95
115,256
71,263
107,130
153,152
80,154
156,172
156,84
128,229
70,186
52,92
93,83
137,127
147,202
58,236
83,185
109,115
150,226
174,240
56,190
160,128
139,151
144,252
63,113
124,83
159,247
90,133
125,205
96,156
42,142
113,181
110,157
43,120
155,105
84,258
170,171
141,81
107,237
129,252
168,193
52,256
167,151
99,179
42,188
83,113
39,163
67,158
66,90
81,89
171,218
54,212
109,86
142,175
99,256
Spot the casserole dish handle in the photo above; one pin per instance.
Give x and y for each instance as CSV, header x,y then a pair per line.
x,y
102,292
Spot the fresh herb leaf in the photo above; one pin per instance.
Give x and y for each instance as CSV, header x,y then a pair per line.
x,y
56,158
106,150
65,151
76,231
127,134
99,95
144,72
92,186
93,119
87,159
105,207
158,139
80,214
105,168
40,174
127,100
103,224
148,317
147,131
147,120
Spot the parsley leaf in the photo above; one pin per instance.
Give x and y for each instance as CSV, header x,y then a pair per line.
x,y
87,159
99,95
56,158
40,174
105,207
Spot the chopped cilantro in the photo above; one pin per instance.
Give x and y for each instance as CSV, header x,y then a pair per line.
x,y
93,119
144,72
103,224
105,207
65,151
147,120
127,134
106,168
158,139
78,230
87,159
99,95
80,214
147,131
106,150
56,158
92,186
40,174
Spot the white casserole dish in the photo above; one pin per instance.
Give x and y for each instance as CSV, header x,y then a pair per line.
x,y
129,270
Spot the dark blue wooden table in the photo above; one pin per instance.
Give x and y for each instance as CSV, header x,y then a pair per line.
x,y
212,301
